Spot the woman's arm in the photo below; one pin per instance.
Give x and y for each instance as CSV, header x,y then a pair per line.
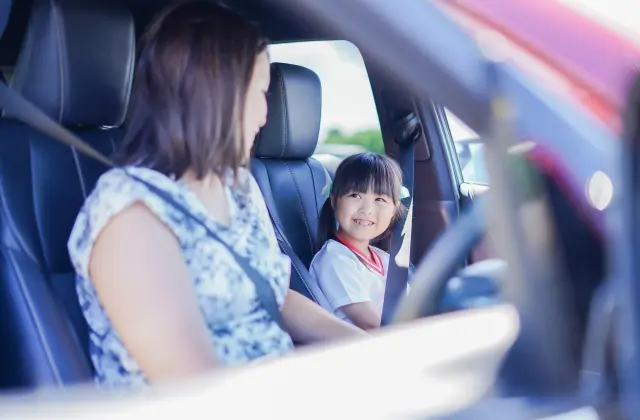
x,y
363,314
144,286
307,322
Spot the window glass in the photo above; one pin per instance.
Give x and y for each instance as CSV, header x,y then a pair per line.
x,y
470,151
349,122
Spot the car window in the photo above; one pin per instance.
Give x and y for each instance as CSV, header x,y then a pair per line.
x,y
469,149
349,121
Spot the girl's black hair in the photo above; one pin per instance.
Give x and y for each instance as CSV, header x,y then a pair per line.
x,y
362,173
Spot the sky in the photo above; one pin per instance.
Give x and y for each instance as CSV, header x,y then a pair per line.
x,y
347,100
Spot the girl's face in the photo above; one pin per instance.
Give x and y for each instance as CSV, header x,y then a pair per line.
x,y
255,111
363,216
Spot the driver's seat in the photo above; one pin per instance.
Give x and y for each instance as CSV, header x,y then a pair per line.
x,y
77,66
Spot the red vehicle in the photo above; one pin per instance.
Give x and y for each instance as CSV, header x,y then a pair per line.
x,y
525,299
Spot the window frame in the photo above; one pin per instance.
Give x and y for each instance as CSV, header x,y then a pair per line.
x,y
323,136
452,154
444,132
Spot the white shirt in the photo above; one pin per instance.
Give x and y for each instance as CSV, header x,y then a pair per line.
x,y
345,279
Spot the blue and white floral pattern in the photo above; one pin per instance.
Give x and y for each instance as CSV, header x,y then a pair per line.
x,y
240,328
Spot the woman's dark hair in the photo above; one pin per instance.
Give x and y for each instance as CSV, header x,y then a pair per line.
x,y
187,104
362,173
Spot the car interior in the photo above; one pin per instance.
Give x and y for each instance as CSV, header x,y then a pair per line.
x,y
75,59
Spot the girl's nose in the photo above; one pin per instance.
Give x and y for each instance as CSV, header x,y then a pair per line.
x,y
365,208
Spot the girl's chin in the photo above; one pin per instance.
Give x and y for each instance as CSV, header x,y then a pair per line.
x,y
360,237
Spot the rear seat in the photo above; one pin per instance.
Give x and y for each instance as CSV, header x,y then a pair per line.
x,y
290,179
83,82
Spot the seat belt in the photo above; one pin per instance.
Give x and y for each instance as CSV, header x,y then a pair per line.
x,y
286,247
19,108
408,131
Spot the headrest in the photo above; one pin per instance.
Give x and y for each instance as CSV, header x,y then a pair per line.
x,y
293,119
5,9
77,61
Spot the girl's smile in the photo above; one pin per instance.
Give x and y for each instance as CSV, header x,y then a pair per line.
x,y
363,217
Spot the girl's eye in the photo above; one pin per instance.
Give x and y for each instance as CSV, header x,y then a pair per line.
x,y
354,195
381,200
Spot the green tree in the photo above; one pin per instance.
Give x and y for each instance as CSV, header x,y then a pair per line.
x,y
371,140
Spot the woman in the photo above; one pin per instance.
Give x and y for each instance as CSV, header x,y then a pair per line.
x,y
163,298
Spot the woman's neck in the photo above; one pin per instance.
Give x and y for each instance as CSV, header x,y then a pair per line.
x,y
211,193
208,182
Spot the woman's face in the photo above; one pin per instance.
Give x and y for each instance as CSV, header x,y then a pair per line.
x,y
255,111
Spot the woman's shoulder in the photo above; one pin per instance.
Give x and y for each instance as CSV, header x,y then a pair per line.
x,y
116,190
131,175
120,187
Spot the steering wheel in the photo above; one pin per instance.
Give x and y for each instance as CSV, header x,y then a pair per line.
x,y
440,264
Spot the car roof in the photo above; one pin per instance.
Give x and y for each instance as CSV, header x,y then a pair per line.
x,y
276,25
597,59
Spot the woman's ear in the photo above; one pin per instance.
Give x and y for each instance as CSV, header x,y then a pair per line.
x,y
333,202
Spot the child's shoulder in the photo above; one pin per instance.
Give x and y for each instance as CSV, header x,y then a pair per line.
x,y
331,250
383,254
334,246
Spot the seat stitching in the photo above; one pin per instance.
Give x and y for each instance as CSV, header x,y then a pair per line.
x,y
11,226
304,217
113,144
313,181
35,214
36,320
76,159
130,70
284,112
60,47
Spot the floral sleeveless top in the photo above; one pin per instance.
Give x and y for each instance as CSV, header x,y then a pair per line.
x,y
240,328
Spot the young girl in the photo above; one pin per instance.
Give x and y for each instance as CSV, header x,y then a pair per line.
x,y
363,204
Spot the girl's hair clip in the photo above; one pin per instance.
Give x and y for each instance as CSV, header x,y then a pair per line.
x,y
327,189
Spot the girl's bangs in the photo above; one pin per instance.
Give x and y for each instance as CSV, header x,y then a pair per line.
x,y
367,175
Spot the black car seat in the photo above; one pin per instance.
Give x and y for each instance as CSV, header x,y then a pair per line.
x,y
289,178
76,64
330,162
